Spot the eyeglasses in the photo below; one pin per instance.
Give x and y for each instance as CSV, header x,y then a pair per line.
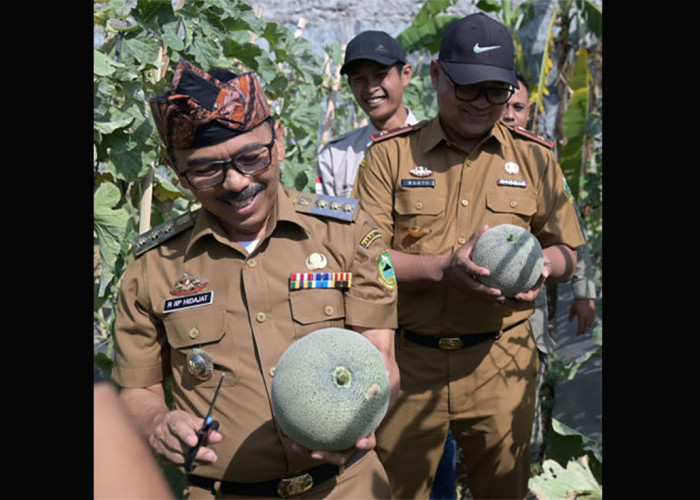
x,y
494,95
248,161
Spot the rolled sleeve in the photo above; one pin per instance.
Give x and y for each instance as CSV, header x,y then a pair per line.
x,y
141,353
371,301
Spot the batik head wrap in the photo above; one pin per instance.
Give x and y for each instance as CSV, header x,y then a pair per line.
x,y
200,110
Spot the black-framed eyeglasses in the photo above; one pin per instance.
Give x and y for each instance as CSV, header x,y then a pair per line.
x,y
250,160
494,95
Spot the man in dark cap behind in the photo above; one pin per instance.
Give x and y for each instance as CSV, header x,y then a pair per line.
x,y
377,73
466,353
214,292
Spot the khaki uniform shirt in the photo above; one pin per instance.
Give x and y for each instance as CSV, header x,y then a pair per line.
x,y
244,315
428,197
339,158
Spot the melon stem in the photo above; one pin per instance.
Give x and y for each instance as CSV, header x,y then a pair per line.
x,y
342,376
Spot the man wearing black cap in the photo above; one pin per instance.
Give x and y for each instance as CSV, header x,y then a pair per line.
x,y
377,73
226,289
466,353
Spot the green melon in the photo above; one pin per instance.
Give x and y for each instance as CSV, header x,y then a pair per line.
x,y
513,255
330,389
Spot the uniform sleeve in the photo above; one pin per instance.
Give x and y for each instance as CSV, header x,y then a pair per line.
x,y
374,188
371,301
141,351
584,276
324,171
555,221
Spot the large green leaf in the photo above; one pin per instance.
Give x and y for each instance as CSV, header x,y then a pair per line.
x,y
564,444
574,482
110,225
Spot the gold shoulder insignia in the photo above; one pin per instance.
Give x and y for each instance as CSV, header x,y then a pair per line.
x,y
388,134
157,235
327,206
535,137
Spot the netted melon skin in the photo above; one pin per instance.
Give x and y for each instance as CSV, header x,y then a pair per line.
x,y
514,257
312,407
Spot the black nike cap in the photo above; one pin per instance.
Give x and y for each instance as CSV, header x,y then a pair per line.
x,y
377,46
477,48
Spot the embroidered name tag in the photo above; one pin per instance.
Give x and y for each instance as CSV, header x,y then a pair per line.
x,y
179,303
413,183
512,182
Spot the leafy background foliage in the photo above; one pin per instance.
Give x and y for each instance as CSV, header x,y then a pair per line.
x,y
144,39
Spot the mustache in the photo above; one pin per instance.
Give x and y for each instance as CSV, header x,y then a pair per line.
x,y
248,192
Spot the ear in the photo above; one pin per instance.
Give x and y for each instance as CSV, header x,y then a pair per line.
x,y
279,141
406,74
434,73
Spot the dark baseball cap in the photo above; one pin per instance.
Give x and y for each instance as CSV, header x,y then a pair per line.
x,y
376,46
477,48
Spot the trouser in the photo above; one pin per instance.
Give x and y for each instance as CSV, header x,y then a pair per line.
x,y
537,438
484,393
365,479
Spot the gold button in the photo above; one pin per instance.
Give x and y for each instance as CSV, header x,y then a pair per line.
x,y
261,316
419,205
513,203
462,241
194,333
465,203
328,310
251,263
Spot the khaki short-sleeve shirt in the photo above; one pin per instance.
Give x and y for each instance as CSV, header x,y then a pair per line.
x,y
198,289
428,197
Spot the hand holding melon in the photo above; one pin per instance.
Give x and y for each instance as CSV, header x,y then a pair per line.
x,y
330,389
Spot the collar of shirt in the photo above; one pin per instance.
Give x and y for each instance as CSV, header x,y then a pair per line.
x,y
435,134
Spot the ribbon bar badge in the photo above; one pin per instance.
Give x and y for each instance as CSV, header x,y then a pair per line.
x,y
298,281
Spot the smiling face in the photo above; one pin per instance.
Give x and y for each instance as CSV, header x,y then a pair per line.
x,y
517,108
378,90
242,202
465,122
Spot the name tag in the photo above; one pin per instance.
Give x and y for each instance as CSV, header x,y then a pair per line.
x,y
413,183
512,183
179,303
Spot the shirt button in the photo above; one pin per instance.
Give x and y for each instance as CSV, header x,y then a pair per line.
x,y
261,317
465,203
419,205
194,333
513,203
462,241
272,371
251,263
328,310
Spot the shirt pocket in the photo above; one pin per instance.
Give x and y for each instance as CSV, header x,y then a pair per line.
x,y
514,208
418,214
315,308
203,327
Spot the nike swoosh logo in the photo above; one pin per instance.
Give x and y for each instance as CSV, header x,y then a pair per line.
x,y
479,50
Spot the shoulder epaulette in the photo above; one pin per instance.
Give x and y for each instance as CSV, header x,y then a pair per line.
x,y
335,207
387,134
535,137
157,235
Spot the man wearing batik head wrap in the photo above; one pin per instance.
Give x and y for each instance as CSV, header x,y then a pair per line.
x,y
209,294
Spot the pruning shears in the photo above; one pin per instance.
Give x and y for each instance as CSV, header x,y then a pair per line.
x,y
203,433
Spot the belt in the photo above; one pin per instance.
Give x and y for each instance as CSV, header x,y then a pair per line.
x,y
452,343
284,488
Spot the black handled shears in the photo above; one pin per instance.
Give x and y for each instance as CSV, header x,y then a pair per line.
x,y
203,433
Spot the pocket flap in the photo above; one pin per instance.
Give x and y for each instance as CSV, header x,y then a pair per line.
x,y
511,203
190,327
316,305
418,203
